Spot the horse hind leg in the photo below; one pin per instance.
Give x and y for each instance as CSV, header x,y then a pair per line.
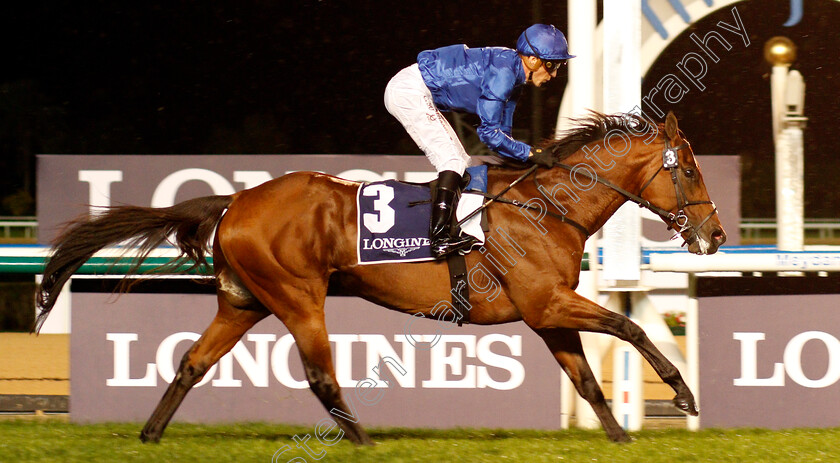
x,y
223,333
301,308
312,340
295,292
567,349
307,326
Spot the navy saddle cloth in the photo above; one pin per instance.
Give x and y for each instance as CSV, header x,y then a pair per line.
x,y
393,219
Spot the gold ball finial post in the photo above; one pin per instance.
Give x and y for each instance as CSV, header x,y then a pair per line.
x,y
780,51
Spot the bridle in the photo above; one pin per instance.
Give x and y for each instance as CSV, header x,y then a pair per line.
x,y
678,222
671,162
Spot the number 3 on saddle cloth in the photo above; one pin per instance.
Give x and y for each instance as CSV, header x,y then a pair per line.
x,y
393,218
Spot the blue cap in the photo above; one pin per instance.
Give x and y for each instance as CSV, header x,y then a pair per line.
x,y
545,42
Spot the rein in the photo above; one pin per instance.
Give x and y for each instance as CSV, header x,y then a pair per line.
x,y
498,196
670,161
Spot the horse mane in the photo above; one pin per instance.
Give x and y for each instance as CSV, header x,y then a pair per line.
x,y
590,128
595,127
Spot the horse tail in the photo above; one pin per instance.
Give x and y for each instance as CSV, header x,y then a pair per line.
x,y
190,225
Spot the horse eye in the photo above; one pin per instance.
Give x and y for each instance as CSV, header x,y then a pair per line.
x,y
689,173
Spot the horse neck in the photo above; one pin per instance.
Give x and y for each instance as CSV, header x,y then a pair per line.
x,y
598,203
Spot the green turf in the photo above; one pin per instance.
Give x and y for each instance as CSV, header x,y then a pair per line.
x,y
54,441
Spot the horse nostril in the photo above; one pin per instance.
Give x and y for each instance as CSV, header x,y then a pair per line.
x,y
719,237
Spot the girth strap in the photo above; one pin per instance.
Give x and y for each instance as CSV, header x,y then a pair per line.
x,y
460,289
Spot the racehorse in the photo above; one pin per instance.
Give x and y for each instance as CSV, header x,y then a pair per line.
x,y
280,245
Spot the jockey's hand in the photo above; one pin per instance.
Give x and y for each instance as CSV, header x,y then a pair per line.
x,y
542,157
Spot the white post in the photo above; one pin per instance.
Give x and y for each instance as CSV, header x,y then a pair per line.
x,y
595,346
790,188
778,80
692,348
622,93
628,402
583,19
787,92
648,317
790,212
622,233
622,55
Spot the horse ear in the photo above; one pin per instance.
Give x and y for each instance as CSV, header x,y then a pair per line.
x,y
671,128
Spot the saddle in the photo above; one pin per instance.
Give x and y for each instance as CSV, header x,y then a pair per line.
x,y
393,224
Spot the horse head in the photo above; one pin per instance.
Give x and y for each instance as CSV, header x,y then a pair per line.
x,y
675,186
651,165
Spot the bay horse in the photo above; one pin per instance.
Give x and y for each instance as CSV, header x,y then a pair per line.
x,y
280,245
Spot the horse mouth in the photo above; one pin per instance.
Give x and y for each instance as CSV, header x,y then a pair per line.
x,y
708,246
703,248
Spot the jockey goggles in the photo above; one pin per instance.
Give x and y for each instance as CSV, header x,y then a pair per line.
x,y
553,65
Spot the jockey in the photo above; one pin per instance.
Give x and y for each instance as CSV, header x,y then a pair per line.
x,y
482,81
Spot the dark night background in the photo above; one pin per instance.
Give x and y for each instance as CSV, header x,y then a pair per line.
x,y
179,77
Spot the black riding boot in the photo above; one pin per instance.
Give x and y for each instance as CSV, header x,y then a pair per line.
x,y
443,208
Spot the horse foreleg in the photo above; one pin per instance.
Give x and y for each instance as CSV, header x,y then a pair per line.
x,y
626,330
220,337
567,349
576,312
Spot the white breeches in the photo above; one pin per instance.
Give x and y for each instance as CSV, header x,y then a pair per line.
x,y
410,101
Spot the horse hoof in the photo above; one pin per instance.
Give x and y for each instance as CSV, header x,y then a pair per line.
x,y
686,405
148,437
622,438
363,440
